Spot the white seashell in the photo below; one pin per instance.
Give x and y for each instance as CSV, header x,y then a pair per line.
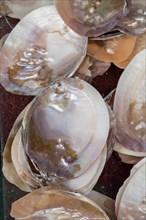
x,y
20,8
46,50
80,104
130,105
131,199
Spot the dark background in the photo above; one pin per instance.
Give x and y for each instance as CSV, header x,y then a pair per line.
x,y
114,173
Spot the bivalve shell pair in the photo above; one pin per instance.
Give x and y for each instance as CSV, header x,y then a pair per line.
x,y
62,139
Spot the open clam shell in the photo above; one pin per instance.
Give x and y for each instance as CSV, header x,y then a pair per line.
x,y
30,62
20,8
91,17
131,198
46,203
130,105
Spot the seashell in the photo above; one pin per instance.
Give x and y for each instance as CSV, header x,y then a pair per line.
x,y
92,17
131,198
135,22
130,105
20,8
113,50
139,46
30,63
46,203
56,135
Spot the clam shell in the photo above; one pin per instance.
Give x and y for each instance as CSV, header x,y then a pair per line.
x,y
20,8
55,120
133,198
84,183
55,204
112,50
91,18
30,63
130,105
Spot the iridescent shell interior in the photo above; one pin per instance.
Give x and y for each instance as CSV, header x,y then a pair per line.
x,y
53,129
30,62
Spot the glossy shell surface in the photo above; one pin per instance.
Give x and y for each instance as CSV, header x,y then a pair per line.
x,y
135,22
130,105
139,46
91,17
53,130
112,50
30,62
56,204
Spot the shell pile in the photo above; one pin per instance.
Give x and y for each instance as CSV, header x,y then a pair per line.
x,y
60,142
